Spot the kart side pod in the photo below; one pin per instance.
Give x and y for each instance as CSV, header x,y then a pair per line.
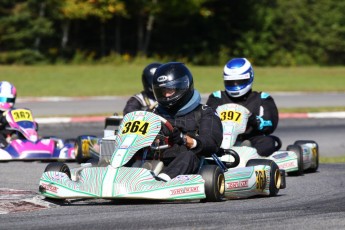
x,y
260,177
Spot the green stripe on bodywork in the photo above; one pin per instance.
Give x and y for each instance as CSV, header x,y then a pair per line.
x,y
70,189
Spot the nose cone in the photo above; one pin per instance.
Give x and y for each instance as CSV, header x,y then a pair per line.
x,y
33,138
31,135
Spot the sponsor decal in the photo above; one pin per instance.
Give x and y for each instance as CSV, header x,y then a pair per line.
x,y
58,176
237,184
50,188
290,164
162,78
281,155
182,178
184,190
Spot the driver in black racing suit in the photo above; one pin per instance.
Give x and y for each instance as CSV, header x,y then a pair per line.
x,y
145,99
197,128
238,80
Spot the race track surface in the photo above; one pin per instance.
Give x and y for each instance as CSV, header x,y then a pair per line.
x,y
312,201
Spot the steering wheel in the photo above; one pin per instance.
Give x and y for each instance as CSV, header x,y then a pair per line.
x,y
161,141
235,155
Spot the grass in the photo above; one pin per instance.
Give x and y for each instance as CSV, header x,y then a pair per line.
x,y
100,80
329,160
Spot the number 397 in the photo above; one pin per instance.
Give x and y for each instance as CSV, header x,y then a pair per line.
x,y
230,116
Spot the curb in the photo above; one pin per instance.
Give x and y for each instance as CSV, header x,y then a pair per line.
x,y
86,119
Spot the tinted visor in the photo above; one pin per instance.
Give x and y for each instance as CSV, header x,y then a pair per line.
x,y
9,100
234,83
172,89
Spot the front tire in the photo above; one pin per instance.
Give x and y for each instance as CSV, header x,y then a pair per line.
x,y
214,183
58,167
275,175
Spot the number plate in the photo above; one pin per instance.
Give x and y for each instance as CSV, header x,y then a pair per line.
x,y
231,116
21,115
136,127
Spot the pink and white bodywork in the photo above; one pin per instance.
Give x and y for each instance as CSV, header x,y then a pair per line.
x,y
24,142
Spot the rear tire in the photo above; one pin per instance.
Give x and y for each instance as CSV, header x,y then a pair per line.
x,y
58,167
316,154
275,175
214,183
299,152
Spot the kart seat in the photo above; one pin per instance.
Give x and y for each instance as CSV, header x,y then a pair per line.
x,y
155,166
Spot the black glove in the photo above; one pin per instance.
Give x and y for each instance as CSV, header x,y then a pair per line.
x,y
253,121
176,137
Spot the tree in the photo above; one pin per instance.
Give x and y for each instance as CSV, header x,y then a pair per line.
x,y
72,10
22,27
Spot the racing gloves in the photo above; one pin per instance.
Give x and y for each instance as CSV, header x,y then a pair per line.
x,y
258,122
177,137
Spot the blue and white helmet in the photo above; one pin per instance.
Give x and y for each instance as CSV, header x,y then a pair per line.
x,y
238,77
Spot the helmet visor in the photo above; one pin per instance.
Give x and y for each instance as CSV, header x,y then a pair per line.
x,y
236,83
171,90
6,99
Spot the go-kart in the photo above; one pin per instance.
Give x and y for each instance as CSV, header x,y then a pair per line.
x,y
118,174
23,142
300,157
87,146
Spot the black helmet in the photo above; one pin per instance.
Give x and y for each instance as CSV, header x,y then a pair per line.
x,y
173,76
147,76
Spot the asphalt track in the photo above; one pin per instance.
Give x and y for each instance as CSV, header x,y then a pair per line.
x,y
312,201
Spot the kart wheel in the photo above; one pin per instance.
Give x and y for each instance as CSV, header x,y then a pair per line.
x,y
275,175
315,152
82,148
214,183
58,167
298,150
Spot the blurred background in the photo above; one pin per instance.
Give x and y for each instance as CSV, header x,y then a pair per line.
x,y
199,32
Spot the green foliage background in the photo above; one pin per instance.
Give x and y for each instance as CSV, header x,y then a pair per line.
x,y
199,32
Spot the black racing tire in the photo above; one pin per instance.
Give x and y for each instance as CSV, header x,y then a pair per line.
x,y
58,167
299,152
302,142
214,183
80,155
275,175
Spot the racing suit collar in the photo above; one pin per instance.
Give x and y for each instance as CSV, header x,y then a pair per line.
x,y
189,107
